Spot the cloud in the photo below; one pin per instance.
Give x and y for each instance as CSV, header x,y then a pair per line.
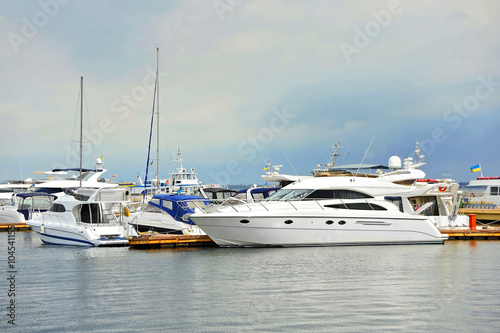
x,y
223,79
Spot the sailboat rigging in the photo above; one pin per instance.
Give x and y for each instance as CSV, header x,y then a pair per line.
x,y
156,102
81,128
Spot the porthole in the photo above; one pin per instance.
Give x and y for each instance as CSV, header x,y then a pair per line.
x,y
329,222
342,222
244,221
288,222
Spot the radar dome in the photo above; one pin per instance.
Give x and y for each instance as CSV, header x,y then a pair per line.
x,y
394,162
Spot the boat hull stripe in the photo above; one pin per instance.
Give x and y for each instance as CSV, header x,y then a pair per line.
x,y
66,238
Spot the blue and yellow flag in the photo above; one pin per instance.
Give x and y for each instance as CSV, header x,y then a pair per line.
x,y
475,168
266,168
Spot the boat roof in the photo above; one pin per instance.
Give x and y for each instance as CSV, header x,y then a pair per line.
x,y
369,185
178,197
75,169
359,166
217,189
261,189
34,194
485,181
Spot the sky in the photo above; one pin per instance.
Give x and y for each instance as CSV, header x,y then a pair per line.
x,y
247,81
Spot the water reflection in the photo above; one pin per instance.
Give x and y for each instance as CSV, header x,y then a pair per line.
x,y
452,287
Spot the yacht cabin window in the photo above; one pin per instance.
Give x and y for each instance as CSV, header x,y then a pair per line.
x,y
57,208
27,203
166,204
42,202
357,206
155,201
494,190
322,194
337,194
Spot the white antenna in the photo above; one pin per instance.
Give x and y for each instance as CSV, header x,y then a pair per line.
x,y
291,164
264,159
366,152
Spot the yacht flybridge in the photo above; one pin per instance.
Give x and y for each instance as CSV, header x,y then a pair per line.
x,y
58,180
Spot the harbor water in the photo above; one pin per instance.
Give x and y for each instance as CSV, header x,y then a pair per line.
x,y
453,287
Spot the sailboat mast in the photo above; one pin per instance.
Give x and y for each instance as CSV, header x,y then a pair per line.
x,y
157,120
81,127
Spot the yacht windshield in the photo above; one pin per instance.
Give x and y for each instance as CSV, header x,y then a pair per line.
x,y
278,195
197,204
289,195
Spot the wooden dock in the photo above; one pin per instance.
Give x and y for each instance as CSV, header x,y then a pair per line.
x,y
4,227
472,234
148,241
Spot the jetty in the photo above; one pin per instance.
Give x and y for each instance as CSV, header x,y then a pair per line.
x,y
148,241
485,232
4,227
489,233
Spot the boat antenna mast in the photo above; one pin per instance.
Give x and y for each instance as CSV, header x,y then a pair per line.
x,y
335,153
157,120
81,127
366,152
179,159
290,164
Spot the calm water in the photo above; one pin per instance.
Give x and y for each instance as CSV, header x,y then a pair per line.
x,y
423,288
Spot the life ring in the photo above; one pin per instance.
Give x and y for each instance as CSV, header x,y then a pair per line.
x,y
442,189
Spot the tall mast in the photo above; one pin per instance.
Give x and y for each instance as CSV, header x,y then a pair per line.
x,y
81,127
157,120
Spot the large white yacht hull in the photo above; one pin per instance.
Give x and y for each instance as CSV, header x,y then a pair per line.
x,y
313,230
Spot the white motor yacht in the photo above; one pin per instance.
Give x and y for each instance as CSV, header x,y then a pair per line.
x,y
86,217
13,187
326,211
25,206
483,192
168,213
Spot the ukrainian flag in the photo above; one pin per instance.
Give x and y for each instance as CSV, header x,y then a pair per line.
x,y
475,168
266,168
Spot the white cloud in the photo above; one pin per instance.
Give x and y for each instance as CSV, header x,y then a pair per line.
x,y
225,77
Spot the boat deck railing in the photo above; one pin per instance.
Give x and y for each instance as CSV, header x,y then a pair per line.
x,y
266,206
